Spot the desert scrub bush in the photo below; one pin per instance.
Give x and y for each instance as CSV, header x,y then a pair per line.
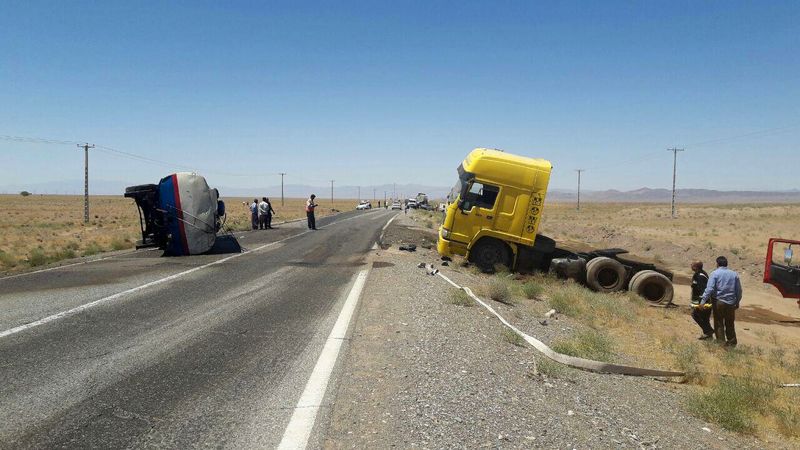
x,y
37,257
568,299
787,418
532,289
589,343
460,298
7,260
92,248
429,223
498,290
688,360
549,368
120,244
512,338
733,403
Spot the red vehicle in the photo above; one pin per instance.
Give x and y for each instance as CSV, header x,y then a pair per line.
x,y
779,270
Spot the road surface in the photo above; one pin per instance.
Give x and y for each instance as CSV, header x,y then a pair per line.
x,y
210,350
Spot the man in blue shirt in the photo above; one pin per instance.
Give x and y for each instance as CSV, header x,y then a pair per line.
x,y
724,286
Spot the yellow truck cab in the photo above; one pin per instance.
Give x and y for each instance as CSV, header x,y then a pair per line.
x,y
495,208
493,216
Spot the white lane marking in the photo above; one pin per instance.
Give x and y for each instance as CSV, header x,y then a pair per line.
x,y
109,298
75,264
389,222
305,413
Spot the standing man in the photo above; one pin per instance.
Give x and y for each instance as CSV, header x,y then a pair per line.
x,y
254,213
701,313
270,212
263,209
310,205
724,285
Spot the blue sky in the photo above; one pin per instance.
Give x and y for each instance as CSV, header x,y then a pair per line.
x,y
376,92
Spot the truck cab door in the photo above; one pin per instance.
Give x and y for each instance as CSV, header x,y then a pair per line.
x,y
782,267
476,211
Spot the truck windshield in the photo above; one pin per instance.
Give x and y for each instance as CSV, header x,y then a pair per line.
x,y
463,179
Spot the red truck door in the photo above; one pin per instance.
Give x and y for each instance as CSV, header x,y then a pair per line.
x,y
782,267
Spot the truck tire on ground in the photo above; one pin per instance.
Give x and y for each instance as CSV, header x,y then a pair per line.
x,y
488,253
634,278
652,286
605,275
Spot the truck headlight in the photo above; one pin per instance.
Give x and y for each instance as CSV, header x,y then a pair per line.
x,y
445,233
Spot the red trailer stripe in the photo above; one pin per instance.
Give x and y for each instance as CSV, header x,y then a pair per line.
x,y
179,213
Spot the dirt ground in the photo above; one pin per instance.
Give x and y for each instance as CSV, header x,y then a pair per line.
x,y
41,229
423,371
740,232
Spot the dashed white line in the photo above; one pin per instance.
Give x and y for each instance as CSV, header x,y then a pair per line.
x,y
305,413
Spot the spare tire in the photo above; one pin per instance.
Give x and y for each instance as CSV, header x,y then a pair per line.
x,y
605,275
652,286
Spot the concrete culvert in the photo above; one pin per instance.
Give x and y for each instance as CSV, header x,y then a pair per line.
x,y
605,275
652,286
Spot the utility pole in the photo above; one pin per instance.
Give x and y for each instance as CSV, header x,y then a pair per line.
x,y
332,193
394,191
359,193
579,187
674,170
384,197
373,195
86,148
282,174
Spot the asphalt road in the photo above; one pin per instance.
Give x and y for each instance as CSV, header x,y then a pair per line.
x,y
216,357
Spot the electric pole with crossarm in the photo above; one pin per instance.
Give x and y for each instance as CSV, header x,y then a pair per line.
x,y
282,174
86,148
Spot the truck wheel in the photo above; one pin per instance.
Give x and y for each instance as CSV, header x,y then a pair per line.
x,y
488,253
605,274
652,286
634,278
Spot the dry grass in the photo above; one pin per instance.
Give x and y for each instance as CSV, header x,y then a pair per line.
x,y
40,229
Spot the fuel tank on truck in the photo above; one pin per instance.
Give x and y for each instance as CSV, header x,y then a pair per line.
x,y
181,214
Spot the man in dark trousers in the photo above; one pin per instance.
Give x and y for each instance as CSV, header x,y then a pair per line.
x,y
724,285
254,213
701,313
270,212
310,205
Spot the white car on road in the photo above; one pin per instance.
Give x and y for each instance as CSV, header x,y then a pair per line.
x,y
364,205
396,205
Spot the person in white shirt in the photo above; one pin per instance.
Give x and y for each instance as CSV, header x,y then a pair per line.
x,y
310,205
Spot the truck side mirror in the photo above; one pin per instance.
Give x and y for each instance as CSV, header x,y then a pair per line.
x,y
464,205
787,255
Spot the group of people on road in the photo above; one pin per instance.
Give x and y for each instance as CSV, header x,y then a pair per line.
x,y
716,296
261,213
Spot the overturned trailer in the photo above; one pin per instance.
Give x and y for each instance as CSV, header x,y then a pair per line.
x,y
180,214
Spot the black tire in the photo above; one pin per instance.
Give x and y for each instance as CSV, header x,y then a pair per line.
x,y
605,275
653,287
634,278
488,253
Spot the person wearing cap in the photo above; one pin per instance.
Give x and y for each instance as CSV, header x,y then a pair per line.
x,y
701,313
724,286
310,205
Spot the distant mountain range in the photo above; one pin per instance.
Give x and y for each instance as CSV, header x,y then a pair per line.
x,y
647,195
643,195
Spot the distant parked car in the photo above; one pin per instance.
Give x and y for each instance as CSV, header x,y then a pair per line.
x,y
412,203
364,205
396,205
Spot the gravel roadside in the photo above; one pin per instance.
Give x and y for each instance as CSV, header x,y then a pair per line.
x,y
423,372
